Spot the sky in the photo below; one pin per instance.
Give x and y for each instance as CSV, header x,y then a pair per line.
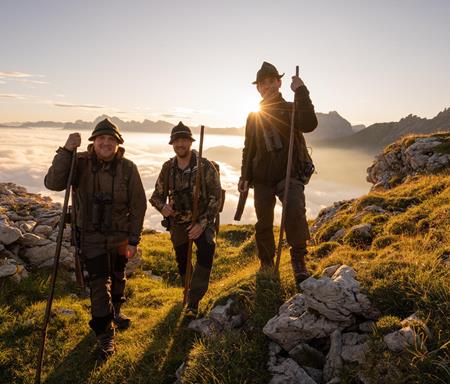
x,y
372,61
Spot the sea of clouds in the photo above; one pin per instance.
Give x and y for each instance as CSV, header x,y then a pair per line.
x,y
26,154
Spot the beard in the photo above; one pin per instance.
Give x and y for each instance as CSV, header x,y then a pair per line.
x,y
182,152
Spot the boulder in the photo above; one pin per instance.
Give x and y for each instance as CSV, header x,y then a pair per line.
x,y
295,324
305,355
32,240
222,313
8,233
287,371
44,230
402,339
354,347
206,327
339,297
9,268
40,256
334,361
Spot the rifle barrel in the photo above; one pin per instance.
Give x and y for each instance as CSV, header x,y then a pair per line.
x,y
187,282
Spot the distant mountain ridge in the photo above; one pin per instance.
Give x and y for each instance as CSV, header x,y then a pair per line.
x,y
331,126
379,135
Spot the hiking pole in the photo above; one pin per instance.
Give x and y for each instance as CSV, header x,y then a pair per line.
x,y
286,183
48,308
187,282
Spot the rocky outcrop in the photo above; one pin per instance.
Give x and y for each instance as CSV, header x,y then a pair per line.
x,y
321,329
28,231
408,157
220,318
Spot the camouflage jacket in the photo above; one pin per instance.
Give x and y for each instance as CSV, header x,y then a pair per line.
x,y
178,186
119,178
264,162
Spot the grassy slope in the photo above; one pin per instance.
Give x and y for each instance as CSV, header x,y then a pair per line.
x,y
404,270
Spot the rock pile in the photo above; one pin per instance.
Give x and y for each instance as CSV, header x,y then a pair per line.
x,y
317,331
326,326
410,156
28,231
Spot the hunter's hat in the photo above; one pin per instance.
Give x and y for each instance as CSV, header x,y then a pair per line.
x,y
267,70
180,130
107,127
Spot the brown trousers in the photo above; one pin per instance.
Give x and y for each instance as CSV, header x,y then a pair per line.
x,y
105,261
296,226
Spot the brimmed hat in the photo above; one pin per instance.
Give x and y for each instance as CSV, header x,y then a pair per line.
x,y
180,130
267,70
106,127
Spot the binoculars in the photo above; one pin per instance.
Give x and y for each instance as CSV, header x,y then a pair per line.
x,y
102,211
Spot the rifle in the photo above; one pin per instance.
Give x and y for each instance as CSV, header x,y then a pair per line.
x,y
187,282
286,183
37,378
76,242
241,205
243,195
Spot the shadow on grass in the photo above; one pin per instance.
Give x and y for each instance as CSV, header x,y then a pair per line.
x,y
78,364
171,342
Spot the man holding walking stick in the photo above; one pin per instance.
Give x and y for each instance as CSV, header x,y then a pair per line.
x,y
174,197
265,160
111,205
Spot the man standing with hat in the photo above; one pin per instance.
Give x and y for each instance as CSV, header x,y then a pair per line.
x,y
264,163
110,207
173,197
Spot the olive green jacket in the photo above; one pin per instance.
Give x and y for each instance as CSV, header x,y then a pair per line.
x,y
264,165
119,178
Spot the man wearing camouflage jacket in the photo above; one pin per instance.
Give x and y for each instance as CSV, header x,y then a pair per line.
x,y
111,204
173,197
264,163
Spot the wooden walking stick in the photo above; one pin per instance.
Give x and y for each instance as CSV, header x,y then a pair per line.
x,y
286,183
187,281
48,308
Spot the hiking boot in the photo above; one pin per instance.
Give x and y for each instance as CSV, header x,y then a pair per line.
x,y
191,311
299,267
105,342
121,321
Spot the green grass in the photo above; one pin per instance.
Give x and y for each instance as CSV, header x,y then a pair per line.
x,y
405,270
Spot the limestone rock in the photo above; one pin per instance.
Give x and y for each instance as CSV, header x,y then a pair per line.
x,y
8,233
38,256
306,355
44,230
295,324
402,339
334,362
338,235
338,297
330,271
206,327
354,347
221,313
287,371
32,240
407,157
27,226
9,268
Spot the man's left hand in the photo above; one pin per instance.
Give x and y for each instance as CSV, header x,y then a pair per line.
x,y
131,251
296,83
194,231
